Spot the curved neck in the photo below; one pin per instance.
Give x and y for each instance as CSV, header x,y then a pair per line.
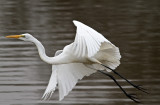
x,y
42,53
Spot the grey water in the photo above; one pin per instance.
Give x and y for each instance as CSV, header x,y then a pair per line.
x,y
132,25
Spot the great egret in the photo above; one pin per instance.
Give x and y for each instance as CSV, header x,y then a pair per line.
x,y
90,52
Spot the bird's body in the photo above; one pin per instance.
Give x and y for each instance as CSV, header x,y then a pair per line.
x,y
89,52
80,55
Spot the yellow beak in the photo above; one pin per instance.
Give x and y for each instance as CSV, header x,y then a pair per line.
x,y
14,36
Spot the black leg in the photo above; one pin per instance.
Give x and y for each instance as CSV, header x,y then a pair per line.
x,y
136,86
131,96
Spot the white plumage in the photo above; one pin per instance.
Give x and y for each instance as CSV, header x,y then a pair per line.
x,y
68,76
87,41
88,44
81,58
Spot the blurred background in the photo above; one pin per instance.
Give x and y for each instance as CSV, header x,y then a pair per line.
x,y
132,25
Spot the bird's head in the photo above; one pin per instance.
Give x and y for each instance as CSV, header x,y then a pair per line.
x,y
24,37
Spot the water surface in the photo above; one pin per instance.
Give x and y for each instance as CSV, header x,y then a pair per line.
x,y
133,26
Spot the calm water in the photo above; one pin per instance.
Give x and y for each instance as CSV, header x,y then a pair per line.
x,y
133,26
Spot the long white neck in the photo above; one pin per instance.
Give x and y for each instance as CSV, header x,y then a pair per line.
x,y
42,53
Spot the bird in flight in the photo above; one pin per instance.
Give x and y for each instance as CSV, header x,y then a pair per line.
x,y
90,52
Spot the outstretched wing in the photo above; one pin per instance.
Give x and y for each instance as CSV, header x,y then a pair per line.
x,y
68,75
88,41
51,85
52,82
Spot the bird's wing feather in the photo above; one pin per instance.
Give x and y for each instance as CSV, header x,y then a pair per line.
x,y
51,85
53,80
87,41
68,75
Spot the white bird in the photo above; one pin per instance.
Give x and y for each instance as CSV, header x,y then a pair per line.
x,y
90,52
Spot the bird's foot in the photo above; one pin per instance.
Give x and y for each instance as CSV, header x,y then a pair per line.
x,y
139,87
133,97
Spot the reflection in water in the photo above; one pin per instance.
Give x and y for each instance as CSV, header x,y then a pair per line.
x,y
131,25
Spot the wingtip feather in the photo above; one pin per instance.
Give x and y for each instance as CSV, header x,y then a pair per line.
x,y
77,23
